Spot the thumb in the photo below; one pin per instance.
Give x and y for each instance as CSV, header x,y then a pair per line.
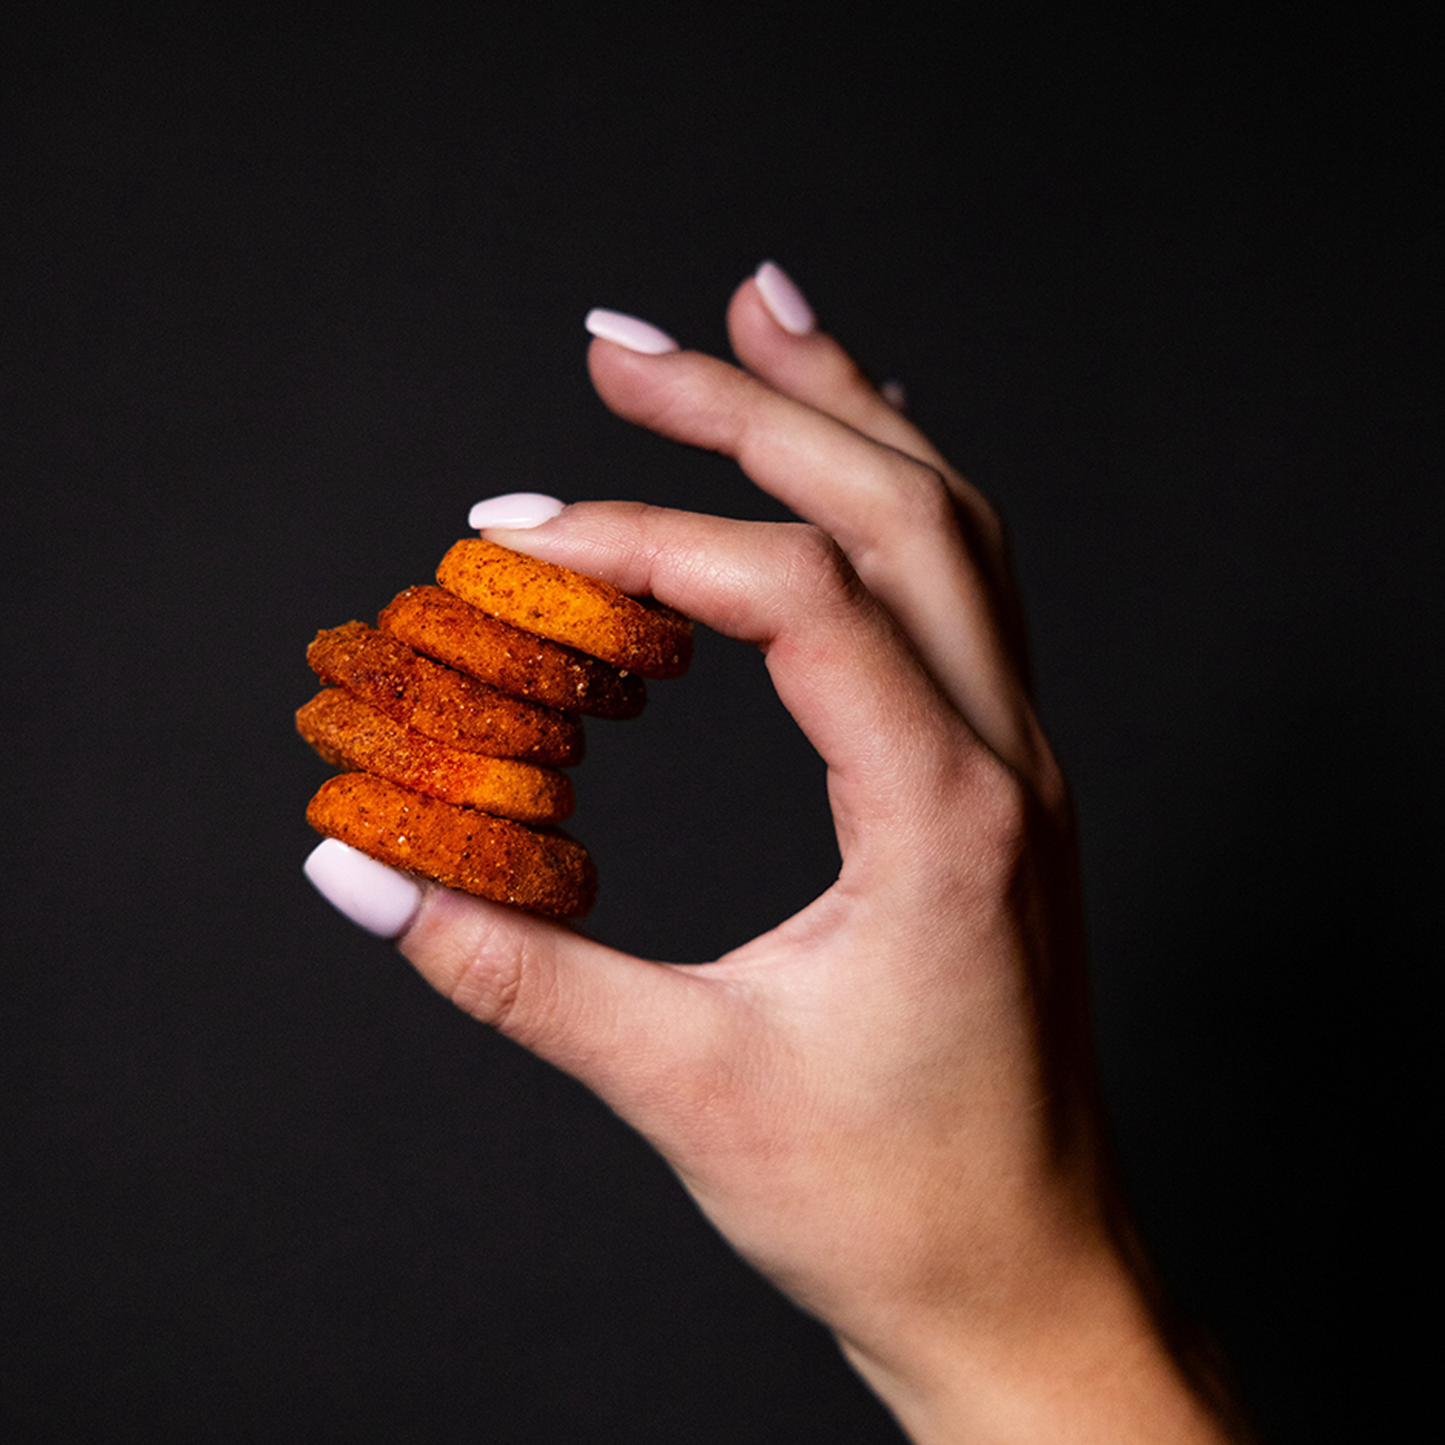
x,y
611,1020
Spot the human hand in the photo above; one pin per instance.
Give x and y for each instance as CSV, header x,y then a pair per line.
x,y
886,1103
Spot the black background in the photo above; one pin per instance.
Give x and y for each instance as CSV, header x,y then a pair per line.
x,y
282,299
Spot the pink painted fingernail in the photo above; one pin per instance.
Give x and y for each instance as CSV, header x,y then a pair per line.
x,y
371,895
516,510
788,305
629,331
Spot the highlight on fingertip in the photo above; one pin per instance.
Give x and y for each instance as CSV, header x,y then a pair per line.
x,y
516,510
371,895
629,331
786,304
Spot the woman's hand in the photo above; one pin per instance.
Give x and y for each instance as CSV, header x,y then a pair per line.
x,y
887,1103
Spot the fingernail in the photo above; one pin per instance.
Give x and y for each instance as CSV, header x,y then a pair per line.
x,y
371,895
788,305
516,509
630,332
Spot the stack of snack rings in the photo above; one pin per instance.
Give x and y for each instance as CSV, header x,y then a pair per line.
x,y
454,713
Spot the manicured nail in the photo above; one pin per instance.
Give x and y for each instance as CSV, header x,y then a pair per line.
x,y
788,305
516,510
371,895
630,332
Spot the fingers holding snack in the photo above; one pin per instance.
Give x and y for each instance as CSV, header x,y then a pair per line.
x,y
835,656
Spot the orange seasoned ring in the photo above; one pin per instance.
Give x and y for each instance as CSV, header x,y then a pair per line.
x,y
446,705
458,847
348,733
637,635
441,625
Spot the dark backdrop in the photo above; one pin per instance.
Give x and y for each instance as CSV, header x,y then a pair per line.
x,y
283,299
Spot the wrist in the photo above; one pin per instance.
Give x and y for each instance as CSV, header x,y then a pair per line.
x,y
1076,1355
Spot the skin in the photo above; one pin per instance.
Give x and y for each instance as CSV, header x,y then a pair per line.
x,y
887,1104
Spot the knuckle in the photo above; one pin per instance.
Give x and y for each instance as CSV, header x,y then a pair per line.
x,y
1001,805
720,406
996,812
911,500
917,505
478,960
675,408
967,838
487,984
922,501
911,514
816,573
698,400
